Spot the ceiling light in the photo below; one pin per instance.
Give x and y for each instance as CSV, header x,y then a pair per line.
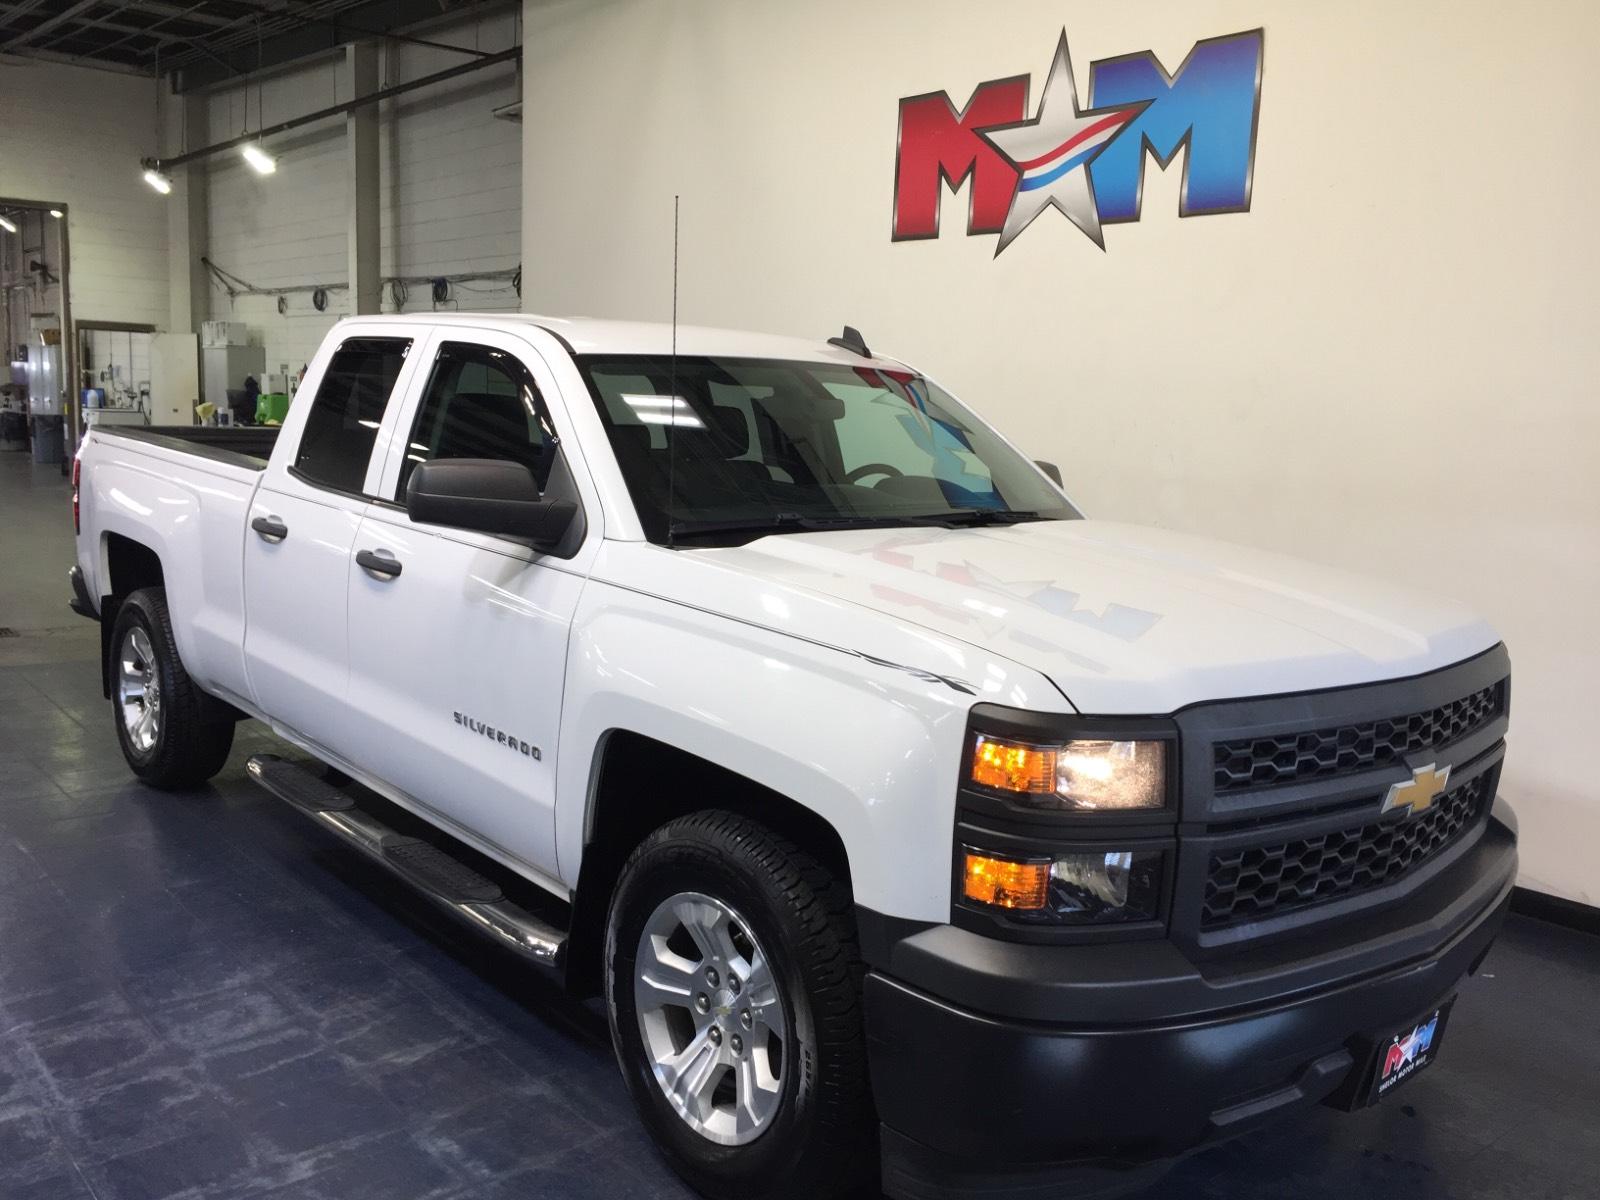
x,y
258,158
57,213
158,181
7,225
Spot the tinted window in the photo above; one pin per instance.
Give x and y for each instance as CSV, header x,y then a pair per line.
x,y
344,418
714,446
480,403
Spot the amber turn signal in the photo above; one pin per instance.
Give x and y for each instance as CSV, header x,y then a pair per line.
x,y
1004,883
1013,766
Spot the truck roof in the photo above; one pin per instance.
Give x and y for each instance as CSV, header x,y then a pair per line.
x,y
592,335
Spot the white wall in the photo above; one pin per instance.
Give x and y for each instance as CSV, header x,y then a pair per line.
x,y
452,175
286,229
450,188
74,135
1389,363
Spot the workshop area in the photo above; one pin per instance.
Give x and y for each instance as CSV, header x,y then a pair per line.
x,y
520,678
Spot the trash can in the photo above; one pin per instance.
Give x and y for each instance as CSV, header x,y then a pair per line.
x,y
48,440
13,430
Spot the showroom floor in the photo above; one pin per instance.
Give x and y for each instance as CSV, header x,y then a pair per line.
x,y
204,996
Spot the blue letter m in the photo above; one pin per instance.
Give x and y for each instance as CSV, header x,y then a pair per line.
x,y
1210,105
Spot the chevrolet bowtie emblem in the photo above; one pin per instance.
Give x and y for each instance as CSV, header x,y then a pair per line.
x,y
1419,792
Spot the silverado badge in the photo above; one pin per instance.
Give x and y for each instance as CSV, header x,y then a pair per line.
x,y
1419,792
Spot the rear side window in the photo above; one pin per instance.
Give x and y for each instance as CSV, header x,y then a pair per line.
x,y
343,423
480,403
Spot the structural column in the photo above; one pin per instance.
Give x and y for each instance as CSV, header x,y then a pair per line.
x,y
188,214
361,180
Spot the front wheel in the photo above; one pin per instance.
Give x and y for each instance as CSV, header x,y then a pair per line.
x,y
166,734
733,990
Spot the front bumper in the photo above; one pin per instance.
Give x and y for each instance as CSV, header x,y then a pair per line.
x,y
1109,1064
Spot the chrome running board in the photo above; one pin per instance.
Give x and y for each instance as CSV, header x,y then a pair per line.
x,y
448,882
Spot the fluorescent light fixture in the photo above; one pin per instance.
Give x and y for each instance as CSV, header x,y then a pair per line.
x,y
57,213
7,225
662,410
158,181
258,158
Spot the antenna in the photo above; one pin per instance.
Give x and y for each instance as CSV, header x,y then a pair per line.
x,y
672,382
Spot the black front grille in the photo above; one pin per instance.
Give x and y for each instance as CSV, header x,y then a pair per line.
x,y
1268,880
1262,762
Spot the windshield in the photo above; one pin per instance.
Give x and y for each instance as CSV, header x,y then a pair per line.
x,y
766,446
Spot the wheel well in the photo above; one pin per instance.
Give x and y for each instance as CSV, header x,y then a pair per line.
x,y
130,565
639,785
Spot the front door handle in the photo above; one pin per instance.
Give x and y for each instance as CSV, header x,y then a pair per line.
x,y
270,528
379,564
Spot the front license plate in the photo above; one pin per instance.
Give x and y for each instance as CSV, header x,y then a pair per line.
x,y
1407,1052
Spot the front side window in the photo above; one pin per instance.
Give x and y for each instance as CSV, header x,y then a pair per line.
x,y
716,448
480,403
342,425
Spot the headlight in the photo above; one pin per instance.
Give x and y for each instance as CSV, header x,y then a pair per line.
x,y
1080,775
1099,887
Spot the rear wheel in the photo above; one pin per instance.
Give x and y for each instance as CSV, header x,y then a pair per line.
x,y
167,736
733,989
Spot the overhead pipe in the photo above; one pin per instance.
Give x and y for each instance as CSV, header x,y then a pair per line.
x,y
338,110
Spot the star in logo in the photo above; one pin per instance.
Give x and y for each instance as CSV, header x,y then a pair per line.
x,y
1052,153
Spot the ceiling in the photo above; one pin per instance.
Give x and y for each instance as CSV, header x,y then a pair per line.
x,y
199,42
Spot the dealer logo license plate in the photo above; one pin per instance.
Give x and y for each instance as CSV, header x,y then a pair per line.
x,y
1407,1053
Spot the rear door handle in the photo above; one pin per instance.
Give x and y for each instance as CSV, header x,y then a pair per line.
x,y
379,564
270,528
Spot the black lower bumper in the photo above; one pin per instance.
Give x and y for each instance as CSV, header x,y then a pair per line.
x,y
981,1105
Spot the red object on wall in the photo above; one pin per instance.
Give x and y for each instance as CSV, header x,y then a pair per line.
x,y
938,144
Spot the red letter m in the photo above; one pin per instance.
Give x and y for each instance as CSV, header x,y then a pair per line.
x,y
937,143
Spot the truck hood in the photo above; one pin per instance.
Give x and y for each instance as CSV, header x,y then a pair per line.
x,y
1125,619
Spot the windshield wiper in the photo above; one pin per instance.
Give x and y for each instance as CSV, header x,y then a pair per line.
x,y
969,517
792,522
784,522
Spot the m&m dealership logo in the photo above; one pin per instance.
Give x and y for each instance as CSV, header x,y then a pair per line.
x,y
1088,162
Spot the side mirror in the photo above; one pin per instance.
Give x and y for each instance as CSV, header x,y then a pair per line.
x,y
489,495
1050,469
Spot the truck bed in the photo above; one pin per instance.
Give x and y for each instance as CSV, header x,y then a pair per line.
x,y
241,446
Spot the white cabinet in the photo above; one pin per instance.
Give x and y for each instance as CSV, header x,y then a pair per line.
x,y
225,368
174,378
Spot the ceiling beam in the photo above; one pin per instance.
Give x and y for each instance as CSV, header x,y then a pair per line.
x,y
193,15
102,22
30,53
15,11
70,13
326,33
237,31
119,27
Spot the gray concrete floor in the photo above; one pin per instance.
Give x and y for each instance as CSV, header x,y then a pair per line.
x,y
35,555
202,997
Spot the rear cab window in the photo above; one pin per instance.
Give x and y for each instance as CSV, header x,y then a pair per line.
x,y
342,426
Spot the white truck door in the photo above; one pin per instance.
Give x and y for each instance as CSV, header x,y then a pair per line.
x,y
299,537
458,653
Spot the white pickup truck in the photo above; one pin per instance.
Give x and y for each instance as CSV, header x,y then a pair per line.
x,y
907,820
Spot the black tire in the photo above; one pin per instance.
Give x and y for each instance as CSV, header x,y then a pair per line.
x,y
190,745
821,1140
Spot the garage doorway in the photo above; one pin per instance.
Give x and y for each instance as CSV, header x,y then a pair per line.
x,y
38,402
